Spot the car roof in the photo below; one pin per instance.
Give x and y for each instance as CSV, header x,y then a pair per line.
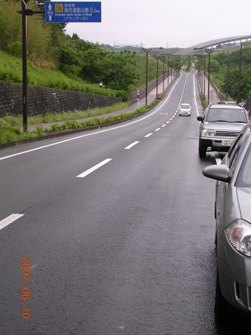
x,y
225,106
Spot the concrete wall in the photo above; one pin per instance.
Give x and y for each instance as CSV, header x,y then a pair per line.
x,y
41,100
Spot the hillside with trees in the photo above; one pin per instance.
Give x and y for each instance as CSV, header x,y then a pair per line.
x,y
231,71
66,58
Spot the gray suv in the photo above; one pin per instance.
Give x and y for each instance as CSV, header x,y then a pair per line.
x,y
219,127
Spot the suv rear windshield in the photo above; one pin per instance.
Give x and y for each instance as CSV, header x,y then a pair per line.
x,y
226,115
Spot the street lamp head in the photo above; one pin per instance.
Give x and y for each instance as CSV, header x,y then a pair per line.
x,y
40,3
146,50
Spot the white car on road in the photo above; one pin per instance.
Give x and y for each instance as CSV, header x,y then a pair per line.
x,y
185,109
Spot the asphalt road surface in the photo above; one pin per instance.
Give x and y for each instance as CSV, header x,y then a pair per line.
x,y
111,231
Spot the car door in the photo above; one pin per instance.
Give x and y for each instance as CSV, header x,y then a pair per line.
x,y
231,160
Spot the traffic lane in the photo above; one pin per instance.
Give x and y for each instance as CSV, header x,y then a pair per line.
x,y
106,253
190,94
27,178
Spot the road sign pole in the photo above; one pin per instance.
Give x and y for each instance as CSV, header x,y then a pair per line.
x,y
24,65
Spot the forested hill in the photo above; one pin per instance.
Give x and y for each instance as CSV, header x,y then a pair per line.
x,y
49,47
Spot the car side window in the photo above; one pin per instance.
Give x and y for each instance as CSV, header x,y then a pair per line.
x,y
244,178
236,150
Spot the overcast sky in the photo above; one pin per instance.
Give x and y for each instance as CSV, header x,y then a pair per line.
x,y
166,23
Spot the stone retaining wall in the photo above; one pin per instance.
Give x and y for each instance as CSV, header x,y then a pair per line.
x,y
41,100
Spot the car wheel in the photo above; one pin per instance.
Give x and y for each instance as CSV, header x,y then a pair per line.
x,y
202,150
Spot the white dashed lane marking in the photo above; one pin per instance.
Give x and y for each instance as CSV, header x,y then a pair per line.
x,y
131,145
11,218
94,168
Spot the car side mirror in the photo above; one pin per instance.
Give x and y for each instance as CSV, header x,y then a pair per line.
x,y
200,118
217,172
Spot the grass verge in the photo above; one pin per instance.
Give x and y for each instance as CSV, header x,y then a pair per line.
x,y
68,116
11,127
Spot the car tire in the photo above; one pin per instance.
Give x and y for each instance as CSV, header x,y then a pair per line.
x,y
202,150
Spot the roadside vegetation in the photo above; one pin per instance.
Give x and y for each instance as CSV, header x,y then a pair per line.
x,y
68,62
226,73
75,115
61,61
11,126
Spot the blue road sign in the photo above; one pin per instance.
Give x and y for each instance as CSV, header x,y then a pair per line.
x,y
63,12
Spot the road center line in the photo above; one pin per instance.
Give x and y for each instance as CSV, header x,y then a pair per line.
x,y
11,218
131,145
163,125
94,168
157,129
148,135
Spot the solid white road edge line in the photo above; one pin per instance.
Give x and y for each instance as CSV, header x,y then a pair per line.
x,y
148,135
96,132
94,168
131,145
11,218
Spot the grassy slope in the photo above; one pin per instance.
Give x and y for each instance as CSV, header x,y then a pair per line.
x,y
10,70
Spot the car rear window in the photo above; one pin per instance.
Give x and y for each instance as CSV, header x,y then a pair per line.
x,y
226,115
185,106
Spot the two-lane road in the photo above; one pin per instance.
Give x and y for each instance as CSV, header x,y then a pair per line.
x,y
118,225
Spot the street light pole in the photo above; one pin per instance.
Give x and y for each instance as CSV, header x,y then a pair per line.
x,y
157,77
240,75
146,51
228,69
163,63
168,69
208,51
24,65
26,12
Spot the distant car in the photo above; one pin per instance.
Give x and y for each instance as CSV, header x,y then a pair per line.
x,y
233,224
185,109
219,127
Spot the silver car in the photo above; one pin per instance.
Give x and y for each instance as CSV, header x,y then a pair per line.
x,y
220,126
233,224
